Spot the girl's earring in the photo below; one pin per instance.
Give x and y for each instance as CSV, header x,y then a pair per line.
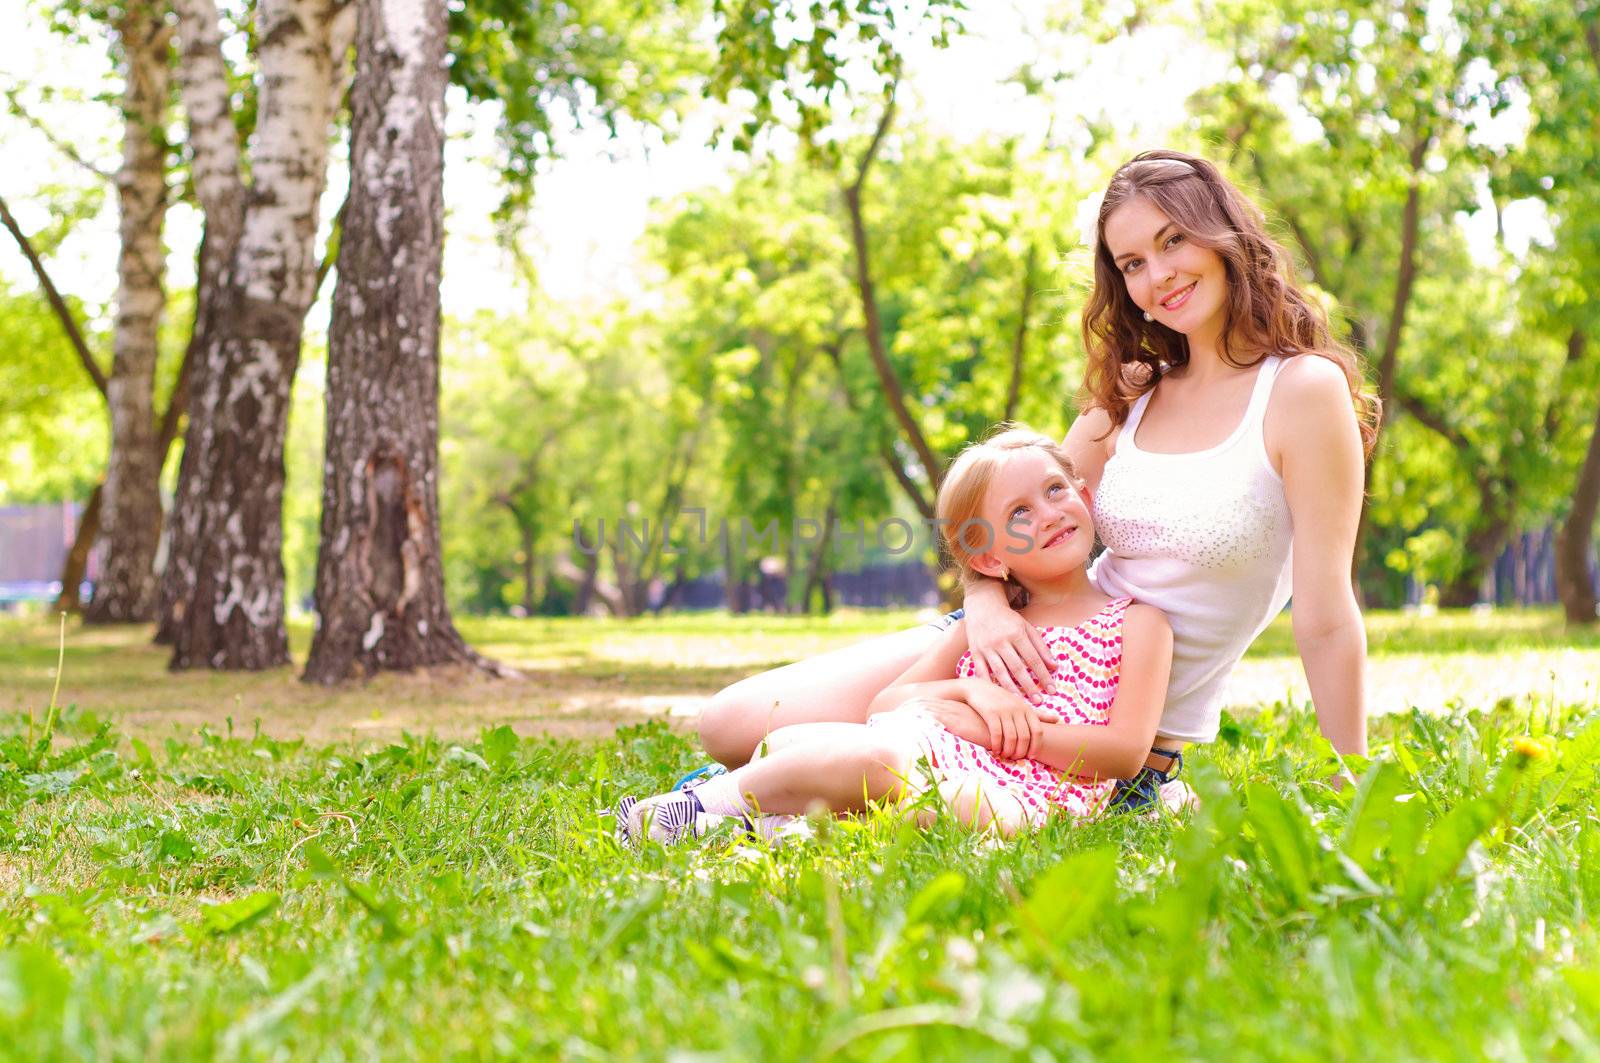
x,y
1005,573
1147,316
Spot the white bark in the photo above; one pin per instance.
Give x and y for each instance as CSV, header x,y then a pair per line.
x,y
203,78
224,597
131,501
276,257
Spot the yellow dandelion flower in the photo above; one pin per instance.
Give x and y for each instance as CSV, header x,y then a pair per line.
x,y
1532,748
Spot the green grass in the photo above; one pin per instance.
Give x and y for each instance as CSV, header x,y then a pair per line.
x,y
239,896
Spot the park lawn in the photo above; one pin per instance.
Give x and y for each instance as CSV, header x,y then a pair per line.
x,y
236,895
585,677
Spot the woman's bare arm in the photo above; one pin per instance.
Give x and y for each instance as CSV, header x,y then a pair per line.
x,y
1006,650
1320,449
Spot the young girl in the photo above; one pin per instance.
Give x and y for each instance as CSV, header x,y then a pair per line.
x,y
1012,509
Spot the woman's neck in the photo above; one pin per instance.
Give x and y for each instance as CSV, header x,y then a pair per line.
x,y
1206,362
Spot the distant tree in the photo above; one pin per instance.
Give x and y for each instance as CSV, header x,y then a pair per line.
x,y
1355,121
130,510
222,592
380,577
124,511
1548,55
967,298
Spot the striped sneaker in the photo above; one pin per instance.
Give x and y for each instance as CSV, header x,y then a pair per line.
x,y
666,818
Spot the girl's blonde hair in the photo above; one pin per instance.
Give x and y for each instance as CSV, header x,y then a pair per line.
x,y
960,505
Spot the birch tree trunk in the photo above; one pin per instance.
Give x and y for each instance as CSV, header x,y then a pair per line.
x,y
224,581
131,498
380,579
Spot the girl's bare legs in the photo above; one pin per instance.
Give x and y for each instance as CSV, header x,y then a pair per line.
x,y
980,805
845,767
853,762
841,765
836,686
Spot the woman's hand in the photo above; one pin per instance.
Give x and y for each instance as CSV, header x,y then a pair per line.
x,y
1006,650
1015,725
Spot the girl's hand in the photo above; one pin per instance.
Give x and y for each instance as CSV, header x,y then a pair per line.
x,y
1006,650
1016,727
957,717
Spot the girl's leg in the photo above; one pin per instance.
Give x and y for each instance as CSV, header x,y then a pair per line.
x,y
836,686
797,734
981,805
839,764
843,766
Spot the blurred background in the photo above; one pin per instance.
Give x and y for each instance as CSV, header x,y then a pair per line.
x,y
654,300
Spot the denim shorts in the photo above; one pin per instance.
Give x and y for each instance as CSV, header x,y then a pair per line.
x,y
1142,793
944,622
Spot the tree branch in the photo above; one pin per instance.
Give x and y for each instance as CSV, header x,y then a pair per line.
x,y
886,453
330,252
66,149
894,393
63,313
1577,344
1406,273
1019,340
1434,421
177,404
1490,489
1301,237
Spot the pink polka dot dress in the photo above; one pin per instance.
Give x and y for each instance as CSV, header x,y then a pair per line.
x,y
1081,692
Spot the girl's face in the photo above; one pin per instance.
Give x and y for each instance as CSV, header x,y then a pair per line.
x,y
1040,517
1177,282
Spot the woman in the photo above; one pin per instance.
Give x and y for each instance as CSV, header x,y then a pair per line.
x,y
1222,439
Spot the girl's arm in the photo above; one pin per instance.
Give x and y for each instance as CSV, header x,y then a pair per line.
x,y
999,719
1118,748
1323,481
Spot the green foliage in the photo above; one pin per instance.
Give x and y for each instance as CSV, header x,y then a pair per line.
x,y
742,371
533,444
53,430
816,60
1336,113
552,65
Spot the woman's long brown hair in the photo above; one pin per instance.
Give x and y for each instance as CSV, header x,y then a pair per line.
x,y
1266,312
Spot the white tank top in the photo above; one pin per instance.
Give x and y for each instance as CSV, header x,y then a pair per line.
x,y
1205,537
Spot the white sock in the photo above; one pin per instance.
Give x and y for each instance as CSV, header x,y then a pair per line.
x,y
720,796
774,827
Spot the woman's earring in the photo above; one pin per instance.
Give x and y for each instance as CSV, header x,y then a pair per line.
x,y
1147,316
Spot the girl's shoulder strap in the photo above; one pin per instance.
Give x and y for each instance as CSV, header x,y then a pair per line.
x,y
1110,616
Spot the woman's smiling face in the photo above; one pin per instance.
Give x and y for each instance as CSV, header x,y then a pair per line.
x,y
1177,282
